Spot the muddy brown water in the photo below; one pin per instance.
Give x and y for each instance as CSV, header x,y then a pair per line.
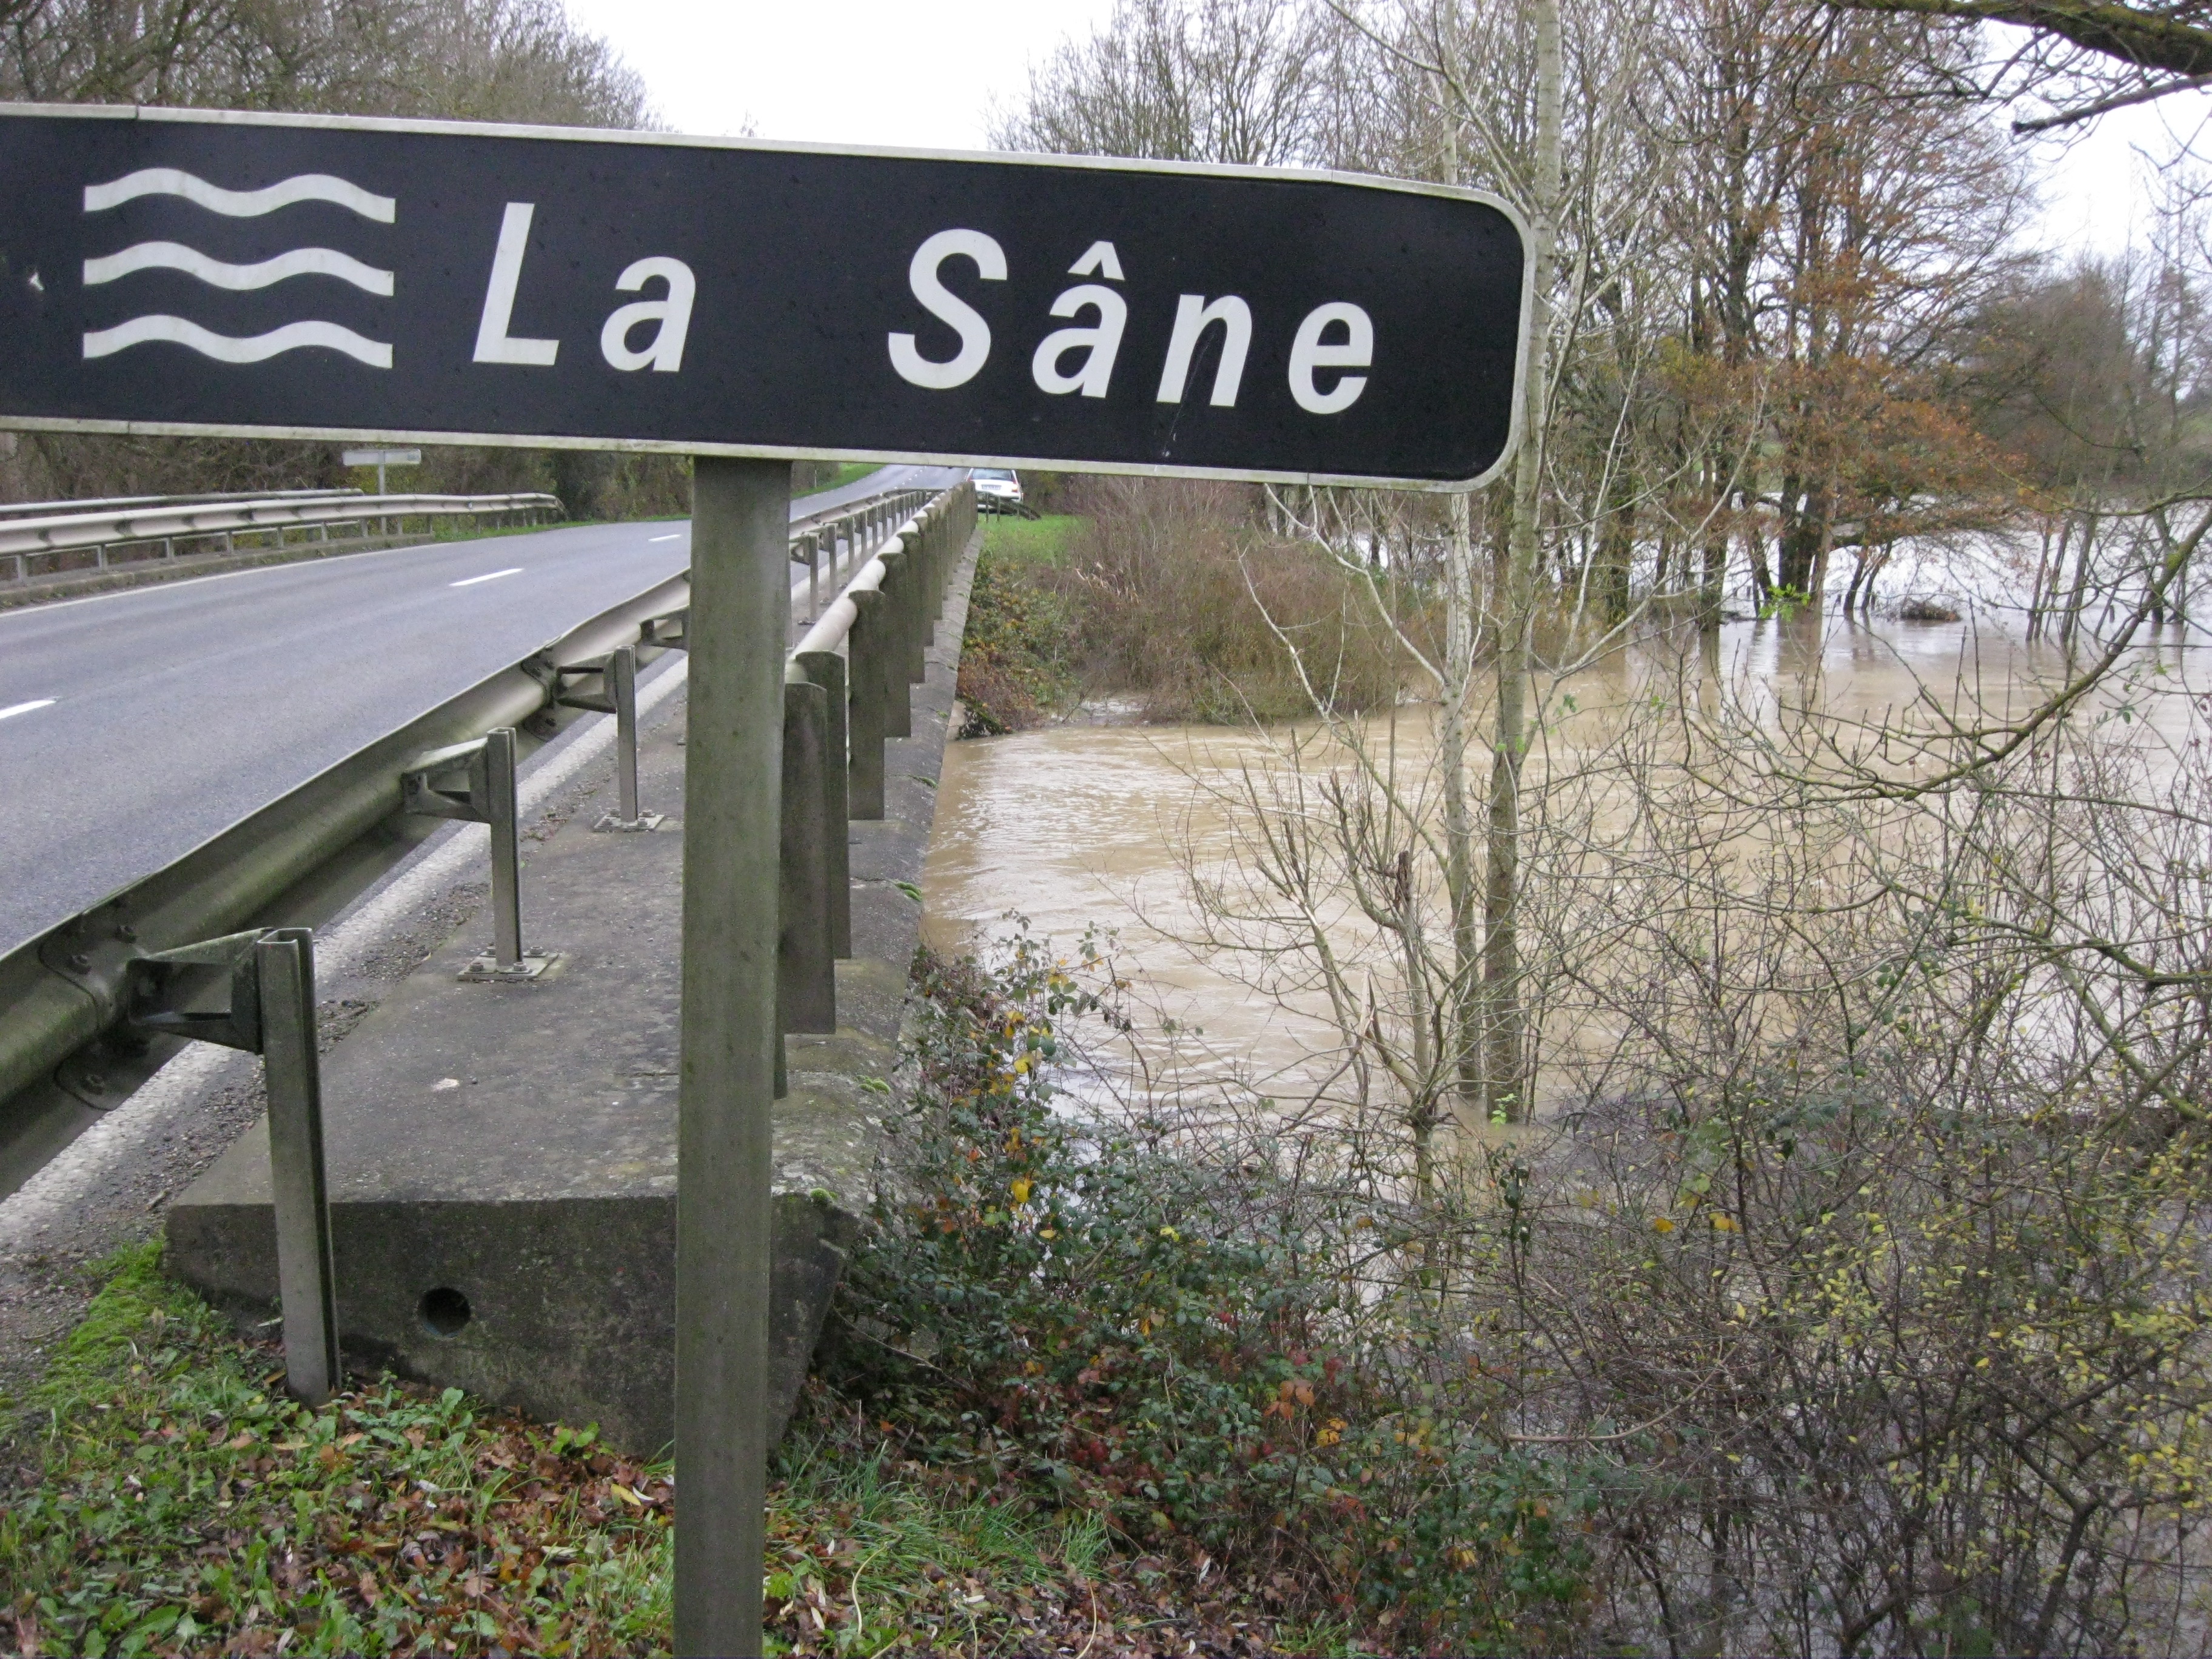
x,y
1093,823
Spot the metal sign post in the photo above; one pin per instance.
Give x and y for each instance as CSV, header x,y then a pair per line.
x,y
271,276
738,629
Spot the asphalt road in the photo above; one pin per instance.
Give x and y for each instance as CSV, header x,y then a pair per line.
x,y
135,724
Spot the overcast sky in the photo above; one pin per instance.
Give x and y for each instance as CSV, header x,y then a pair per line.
x,y
2101,189
928,75
919,74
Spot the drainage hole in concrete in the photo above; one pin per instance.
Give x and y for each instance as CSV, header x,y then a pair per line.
x,y
445,1310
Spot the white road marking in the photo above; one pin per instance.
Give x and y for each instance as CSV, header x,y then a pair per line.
x,y
98,1156
470,581
677,537
25,707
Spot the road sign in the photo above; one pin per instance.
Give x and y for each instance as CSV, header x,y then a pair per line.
x,y
186,271
380,459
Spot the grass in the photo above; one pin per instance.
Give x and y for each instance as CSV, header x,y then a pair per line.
x,y
1030,541
169,1498
163,1495
869,1551
846,472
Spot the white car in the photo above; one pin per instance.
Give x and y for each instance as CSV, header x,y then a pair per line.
x,y
998,490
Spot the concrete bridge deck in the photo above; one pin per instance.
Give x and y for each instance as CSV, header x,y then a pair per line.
x,y
502,1157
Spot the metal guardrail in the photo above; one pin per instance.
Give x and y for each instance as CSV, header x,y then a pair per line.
x,y
51,539
97,503
847,688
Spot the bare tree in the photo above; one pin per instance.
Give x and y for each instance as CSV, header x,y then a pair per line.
x,y
1237,81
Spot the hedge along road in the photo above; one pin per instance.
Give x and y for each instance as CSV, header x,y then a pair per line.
x,y
135,725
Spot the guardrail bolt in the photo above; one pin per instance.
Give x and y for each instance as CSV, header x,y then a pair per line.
x,y
81,961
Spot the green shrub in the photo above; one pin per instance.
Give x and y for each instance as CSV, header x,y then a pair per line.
x,y
1207,1352
1014,659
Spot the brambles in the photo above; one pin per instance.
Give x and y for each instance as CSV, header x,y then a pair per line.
x,y
1222,1359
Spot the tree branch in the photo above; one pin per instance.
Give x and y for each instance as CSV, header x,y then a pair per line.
x,y
2139,35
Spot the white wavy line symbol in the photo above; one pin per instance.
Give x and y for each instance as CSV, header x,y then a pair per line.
x,y
218,273
240,203
300,262
230,348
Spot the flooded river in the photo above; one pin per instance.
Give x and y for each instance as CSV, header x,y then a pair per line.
x,y
1096,822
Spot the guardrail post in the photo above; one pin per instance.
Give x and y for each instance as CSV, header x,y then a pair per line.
x,y
813,578
271,1012
914,536
741,602
484,771
299,1185
506,850
867,655
618,686
827,669
805,976
896,646
917,617
624,667
932,558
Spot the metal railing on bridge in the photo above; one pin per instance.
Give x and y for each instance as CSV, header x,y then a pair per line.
x,y
885,560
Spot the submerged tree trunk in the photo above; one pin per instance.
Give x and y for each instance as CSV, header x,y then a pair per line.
x,y
1616,548
2072,618
1803,553
1466,1010
1754,557
1506,1045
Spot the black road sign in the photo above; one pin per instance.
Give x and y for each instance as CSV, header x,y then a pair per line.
x,y
186,272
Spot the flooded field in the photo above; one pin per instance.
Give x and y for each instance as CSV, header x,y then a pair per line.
x,y
1103,821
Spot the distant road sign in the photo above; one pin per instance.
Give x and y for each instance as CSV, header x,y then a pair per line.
x,y
381,458
165,270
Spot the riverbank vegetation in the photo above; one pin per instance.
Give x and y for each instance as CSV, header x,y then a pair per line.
x,y
1171,599
1777,1104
